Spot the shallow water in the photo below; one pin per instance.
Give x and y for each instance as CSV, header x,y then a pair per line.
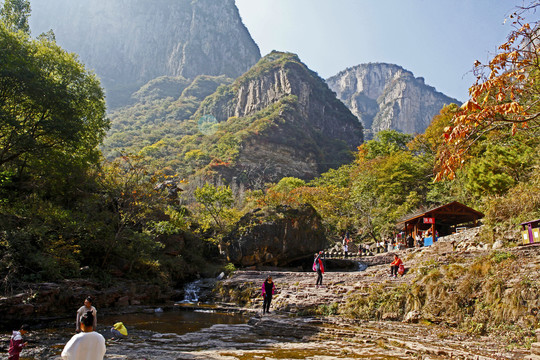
x,y
48,342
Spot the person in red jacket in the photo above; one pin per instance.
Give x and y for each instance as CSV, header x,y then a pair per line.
x,y
319,268
16,343
394,266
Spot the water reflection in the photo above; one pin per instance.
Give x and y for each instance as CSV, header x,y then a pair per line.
x,y
177,322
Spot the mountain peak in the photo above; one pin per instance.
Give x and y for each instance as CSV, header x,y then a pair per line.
x,y
386,96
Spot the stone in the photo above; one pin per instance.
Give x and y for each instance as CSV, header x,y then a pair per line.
x,y
187,31
123,301
535,348
498,245
293,234
412,316
386,96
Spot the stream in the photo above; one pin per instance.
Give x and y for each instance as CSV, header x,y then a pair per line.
x,y
203,332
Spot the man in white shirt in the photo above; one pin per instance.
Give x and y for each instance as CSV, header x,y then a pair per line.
x,y
87,345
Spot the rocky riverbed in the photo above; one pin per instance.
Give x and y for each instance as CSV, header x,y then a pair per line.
x,y
277,336
302,324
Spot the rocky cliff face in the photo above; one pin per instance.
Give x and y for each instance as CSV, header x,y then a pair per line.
x,y
294,124
293,234
129,42
386,96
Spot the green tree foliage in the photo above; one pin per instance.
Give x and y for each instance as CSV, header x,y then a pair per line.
x,y
50,106
14,14
216,203
386,142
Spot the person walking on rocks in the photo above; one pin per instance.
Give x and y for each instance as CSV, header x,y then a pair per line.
x,y
16,343
268,289
394,266
83,310
319,268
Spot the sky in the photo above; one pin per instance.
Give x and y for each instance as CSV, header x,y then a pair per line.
x,y
438,40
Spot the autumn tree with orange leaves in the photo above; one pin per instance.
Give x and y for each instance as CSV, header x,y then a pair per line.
x,y
504,99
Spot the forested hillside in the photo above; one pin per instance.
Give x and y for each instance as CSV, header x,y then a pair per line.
x,y
279,119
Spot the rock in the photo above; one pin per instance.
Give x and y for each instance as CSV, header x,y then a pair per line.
x,y
118,39
386,96
309,130
498,245
535,348
123,301
221,276
293,234
390,316
412,316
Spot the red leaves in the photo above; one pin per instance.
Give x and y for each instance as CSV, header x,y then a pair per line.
x,y
505,98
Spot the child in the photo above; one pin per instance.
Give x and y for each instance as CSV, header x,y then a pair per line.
x,y
16,343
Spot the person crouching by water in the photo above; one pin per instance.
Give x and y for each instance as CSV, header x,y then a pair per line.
x,y
16,343
86,345
268,289
118,331
319,268
394,266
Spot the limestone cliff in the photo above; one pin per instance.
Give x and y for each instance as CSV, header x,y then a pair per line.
x,y
386,96
129,42
287,121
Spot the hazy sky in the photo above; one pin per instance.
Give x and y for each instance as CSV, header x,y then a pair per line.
x,y
435,39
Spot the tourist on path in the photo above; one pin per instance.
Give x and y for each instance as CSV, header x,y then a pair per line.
x,y
16,343
87,345
83,310
394,266
268,289
318,267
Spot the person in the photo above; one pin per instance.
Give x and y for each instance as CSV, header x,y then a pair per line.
x,y
119,331
319,268
86,345
394,266
268,289
410,241
16,343
83,310
346,250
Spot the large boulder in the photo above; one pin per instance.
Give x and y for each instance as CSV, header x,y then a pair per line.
x,y
276,236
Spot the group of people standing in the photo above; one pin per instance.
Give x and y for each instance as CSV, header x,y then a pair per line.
x,y
86,344
269,287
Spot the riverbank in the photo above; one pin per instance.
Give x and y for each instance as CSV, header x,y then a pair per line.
x,y
283,337
311,322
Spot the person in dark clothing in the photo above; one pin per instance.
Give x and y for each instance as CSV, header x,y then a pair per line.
x,y
268,289
319,268
410,241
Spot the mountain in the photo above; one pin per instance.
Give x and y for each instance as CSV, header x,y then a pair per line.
x,y
386,96
129,42
278,119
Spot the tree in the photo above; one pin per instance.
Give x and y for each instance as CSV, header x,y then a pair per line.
x,y
50,106
385,143
216,202
15,13
505,96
